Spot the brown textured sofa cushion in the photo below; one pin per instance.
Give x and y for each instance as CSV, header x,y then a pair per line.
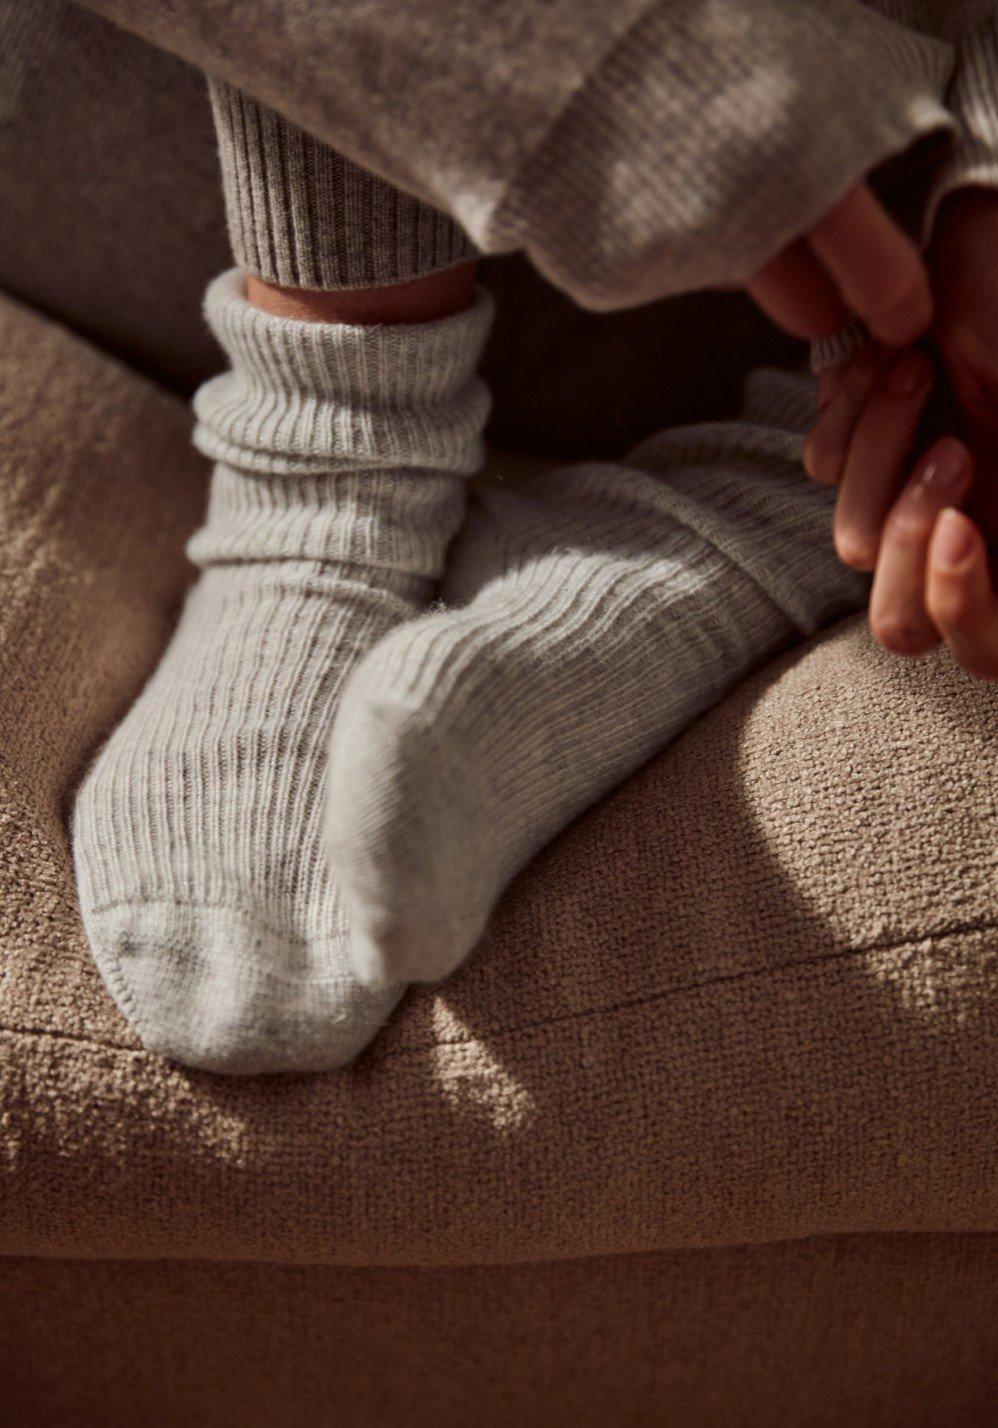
x,y
861,1331
749,997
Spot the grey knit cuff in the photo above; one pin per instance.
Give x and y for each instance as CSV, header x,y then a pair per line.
x,y
973,97
302,216
301,397
712,136
827,353
970,162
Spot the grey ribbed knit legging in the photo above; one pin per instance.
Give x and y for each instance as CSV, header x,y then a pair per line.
x,y
302,216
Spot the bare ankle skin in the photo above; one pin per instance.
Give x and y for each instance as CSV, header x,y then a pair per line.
x,y
421,300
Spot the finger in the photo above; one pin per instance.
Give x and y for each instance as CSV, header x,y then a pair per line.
x,y
828,443
877,268
898,615
879,456
960,596
982,438
829,383
796,292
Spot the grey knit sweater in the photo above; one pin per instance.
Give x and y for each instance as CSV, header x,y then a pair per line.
x,y
632,149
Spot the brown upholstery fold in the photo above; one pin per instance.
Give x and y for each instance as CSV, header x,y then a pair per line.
x,y
870,1330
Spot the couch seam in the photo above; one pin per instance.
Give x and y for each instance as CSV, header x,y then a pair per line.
x,y
627,1004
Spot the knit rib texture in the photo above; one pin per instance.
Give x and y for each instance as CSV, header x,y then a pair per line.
x,y
630,150
205,893
719,134
973,97
971,160
596,612
300,215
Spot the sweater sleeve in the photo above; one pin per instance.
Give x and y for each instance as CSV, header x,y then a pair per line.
x,y
973,98
631,149
970,27
970,160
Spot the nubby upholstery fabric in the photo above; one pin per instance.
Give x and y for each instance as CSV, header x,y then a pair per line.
x,y
747,998
647,1155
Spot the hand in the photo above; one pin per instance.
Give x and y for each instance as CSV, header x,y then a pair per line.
x,y
965,278
963,261
926,588
933,582
855,262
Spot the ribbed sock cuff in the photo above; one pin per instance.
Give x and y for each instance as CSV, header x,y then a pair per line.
x,y
306,396
303,216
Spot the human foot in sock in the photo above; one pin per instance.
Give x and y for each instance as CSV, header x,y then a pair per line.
x,y
197,832
600,608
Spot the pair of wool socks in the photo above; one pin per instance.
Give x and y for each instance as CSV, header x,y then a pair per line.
x,y
322,790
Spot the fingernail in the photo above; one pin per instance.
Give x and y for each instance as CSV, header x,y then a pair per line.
x,y
947,467
908,374
953,541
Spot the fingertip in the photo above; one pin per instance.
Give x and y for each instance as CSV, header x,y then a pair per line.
x,y
958,590
857,551
955,544
903,637
855,543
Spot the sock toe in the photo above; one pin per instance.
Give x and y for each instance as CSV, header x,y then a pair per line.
x,y
405,810
217,989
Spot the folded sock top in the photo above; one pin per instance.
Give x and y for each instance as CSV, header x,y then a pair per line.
x,y
303,397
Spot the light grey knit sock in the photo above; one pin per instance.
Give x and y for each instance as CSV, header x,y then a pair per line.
x,y
197,832
600,608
